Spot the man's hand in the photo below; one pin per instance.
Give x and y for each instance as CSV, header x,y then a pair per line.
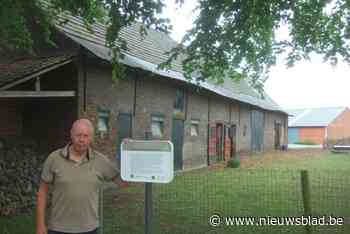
x,y
120,182
123,184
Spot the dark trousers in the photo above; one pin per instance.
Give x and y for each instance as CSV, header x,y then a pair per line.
x,y
91,232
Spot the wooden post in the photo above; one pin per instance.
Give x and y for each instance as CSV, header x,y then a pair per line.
x,y
305,188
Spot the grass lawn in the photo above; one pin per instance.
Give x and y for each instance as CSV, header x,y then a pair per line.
x,y
23,224
299,159
266,185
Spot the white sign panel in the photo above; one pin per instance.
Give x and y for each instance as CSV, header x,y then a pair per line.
x,y
147,161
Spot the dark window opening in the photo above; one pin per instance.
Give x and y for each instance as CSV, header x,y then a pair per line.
x,y
179,100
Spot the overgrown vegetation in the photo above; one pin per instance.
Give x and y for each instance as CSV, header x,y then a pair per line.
x,y
236,39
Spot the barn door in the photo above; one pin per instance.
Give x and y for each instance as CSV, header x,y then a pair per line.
x,y
212,157
277,135
220,141
228,143
257,130
177,139
124,129
233,140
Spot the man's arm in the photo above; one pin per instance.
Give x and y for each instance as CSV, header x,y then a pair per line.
x,y
42,195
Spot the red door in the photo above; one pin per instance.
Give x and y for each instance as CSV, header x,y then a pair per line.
x,y
220,141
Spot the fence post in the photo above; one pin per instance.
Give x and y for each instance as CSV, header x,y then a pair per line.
x,y
305,188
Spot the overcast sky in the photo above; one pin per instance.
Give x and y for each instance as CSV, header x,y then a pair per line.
x,y
307,84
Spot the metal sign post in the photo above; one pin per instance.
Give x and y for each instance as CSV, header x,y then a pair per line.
x,y
148,200
148,207
148,161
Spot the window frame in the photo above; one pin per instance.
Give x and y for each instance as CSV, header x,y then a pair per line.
x,y
158,118
194,123
105,116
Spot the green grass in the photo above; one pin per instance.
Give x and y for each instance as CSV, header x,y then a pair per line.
x,y
328,161
184,205
23,224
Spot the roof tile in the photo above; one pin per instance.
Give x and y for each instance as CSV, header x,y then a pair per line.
x,y
15,70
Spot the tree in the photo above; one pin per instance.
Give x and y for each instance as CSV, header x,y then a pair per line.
x,y
230,38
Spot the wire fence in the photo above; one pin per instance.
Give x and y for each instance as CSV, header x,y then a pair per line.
x,y
235,201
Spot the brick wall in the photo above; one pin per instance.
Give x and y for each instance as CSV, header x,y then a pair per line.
x,y
219,109
153,97
142,95
340,127
316,135
103,93
195,151
234,116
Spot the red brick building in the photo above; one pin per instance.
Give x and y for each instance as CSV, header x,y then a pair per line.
x,y
318,125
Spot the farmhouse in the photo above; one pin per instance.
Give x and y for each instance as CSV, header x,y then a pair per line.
x,y
318,125
40,96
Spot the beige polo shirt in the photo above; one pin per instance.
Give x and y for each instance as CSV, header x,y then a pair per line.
x,y
75,189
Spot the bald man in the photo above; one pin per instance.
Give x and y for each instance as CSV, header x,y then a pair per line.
x,y
76,173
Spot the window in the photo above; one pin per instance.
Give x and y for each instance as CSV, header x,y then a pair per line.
x,y
157,126
103,121
194,127
179,100
244,130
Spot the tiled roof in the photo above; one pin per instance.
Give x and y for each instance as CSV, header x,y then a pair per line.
x,y
15,70
313,117
145,53
148,52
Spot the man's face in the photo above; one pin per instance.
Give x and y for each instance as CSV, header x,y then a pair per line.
x,y
81,136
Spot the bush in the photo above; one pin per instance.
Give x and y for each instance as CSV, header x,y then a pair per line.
x,y
233,163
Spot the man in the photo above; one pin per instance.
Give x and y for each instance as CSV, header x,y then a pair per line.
x,y
76,173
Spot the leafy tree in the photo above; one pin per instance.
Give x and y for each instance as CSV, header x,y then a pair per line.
x,y
235,38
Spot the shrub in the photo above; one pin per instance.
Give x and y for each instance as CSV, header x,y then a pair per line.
x,y
233,163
